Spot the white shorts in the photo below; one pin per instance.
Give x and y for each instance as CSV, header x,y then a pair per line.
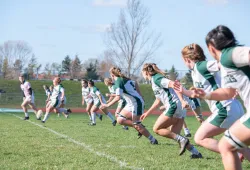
x,y
175,110
137,108
55,103
88,101
29,99
225,119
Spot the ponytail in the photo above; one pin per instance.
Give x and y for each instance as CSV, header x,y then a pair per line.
x,y
117,72
152,69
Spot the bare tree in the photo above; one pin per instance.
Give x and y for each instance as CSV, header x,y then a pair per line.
x,y
128,41
16,50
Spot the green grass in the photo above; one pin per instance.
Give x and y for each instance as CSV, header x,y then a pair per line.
x,y
13,96
28,146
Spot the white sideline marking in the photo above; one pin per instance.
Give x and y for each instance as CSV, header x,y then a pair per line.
x,y
85,146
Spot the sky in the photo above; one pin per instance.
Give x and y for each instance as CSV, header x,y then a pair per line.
x,y
58,28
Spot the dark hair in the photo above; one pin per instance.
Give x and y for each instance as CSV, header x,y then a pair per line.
x,y
91,82
84,80
221,37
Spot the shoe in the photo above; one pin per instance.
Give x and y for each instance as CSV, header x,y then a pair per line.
x,y
100,117
43,121
26,118
194,156
92,124
125,127
38,119
69,111
139,135
155,142
114,123
183,145
188,135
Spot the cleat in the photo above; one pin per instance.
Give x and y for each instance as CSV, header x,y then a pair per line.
x,y
183,145
26,118
155,142
188,135
193,156
92,124
69,111
139,135
125,127
114,123
43,121
38,119
100,117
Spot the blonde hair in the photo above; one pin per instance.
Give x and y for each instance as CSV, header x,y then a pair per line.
x,y
108,81
194,52
152,69
117,72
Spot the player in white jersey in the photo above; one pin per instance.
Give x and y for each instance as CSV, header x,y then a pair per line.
x,y
57,100
205,75
28,97
122,102
235,73
170,122
86,98
130,114
98,101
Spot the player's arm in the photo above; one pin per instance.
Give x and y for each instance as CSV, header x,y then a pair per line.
x,y
153,107
62,94
218,95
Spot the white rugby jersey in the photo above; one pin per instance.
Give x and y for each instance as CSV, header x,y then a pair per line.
x,y
86,92
126,89
57,92
94,92
161,91
206,76
25,86
111,89
235,71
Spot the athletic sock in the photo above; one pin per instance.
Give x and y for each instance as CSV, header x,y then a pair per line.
x,y
193,150
111,117
186,131
179,138
46,116
93,117
26,114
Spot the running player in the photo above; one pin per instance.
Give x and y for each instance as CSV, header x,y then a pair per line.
x,y
169,124
130,114
28,97
122,102
205,75
98,101
86,98
57,100
235,73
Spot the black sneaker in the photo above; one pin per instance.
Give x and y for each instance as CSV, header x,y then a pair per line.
x,y
100,117
155,142
125,127
183,145
92,124
43,121
188,135
194,156
26,118
114,123
139,135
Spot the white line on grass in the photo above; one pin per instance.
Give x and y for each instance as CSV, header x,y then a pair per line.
x,y
85,146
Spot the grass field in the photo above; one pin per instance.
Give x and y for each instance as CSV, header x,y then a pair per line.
x,y
73,144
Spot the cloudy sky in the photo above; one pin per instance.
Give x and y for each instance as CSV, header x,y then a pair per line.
x,y
58,28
